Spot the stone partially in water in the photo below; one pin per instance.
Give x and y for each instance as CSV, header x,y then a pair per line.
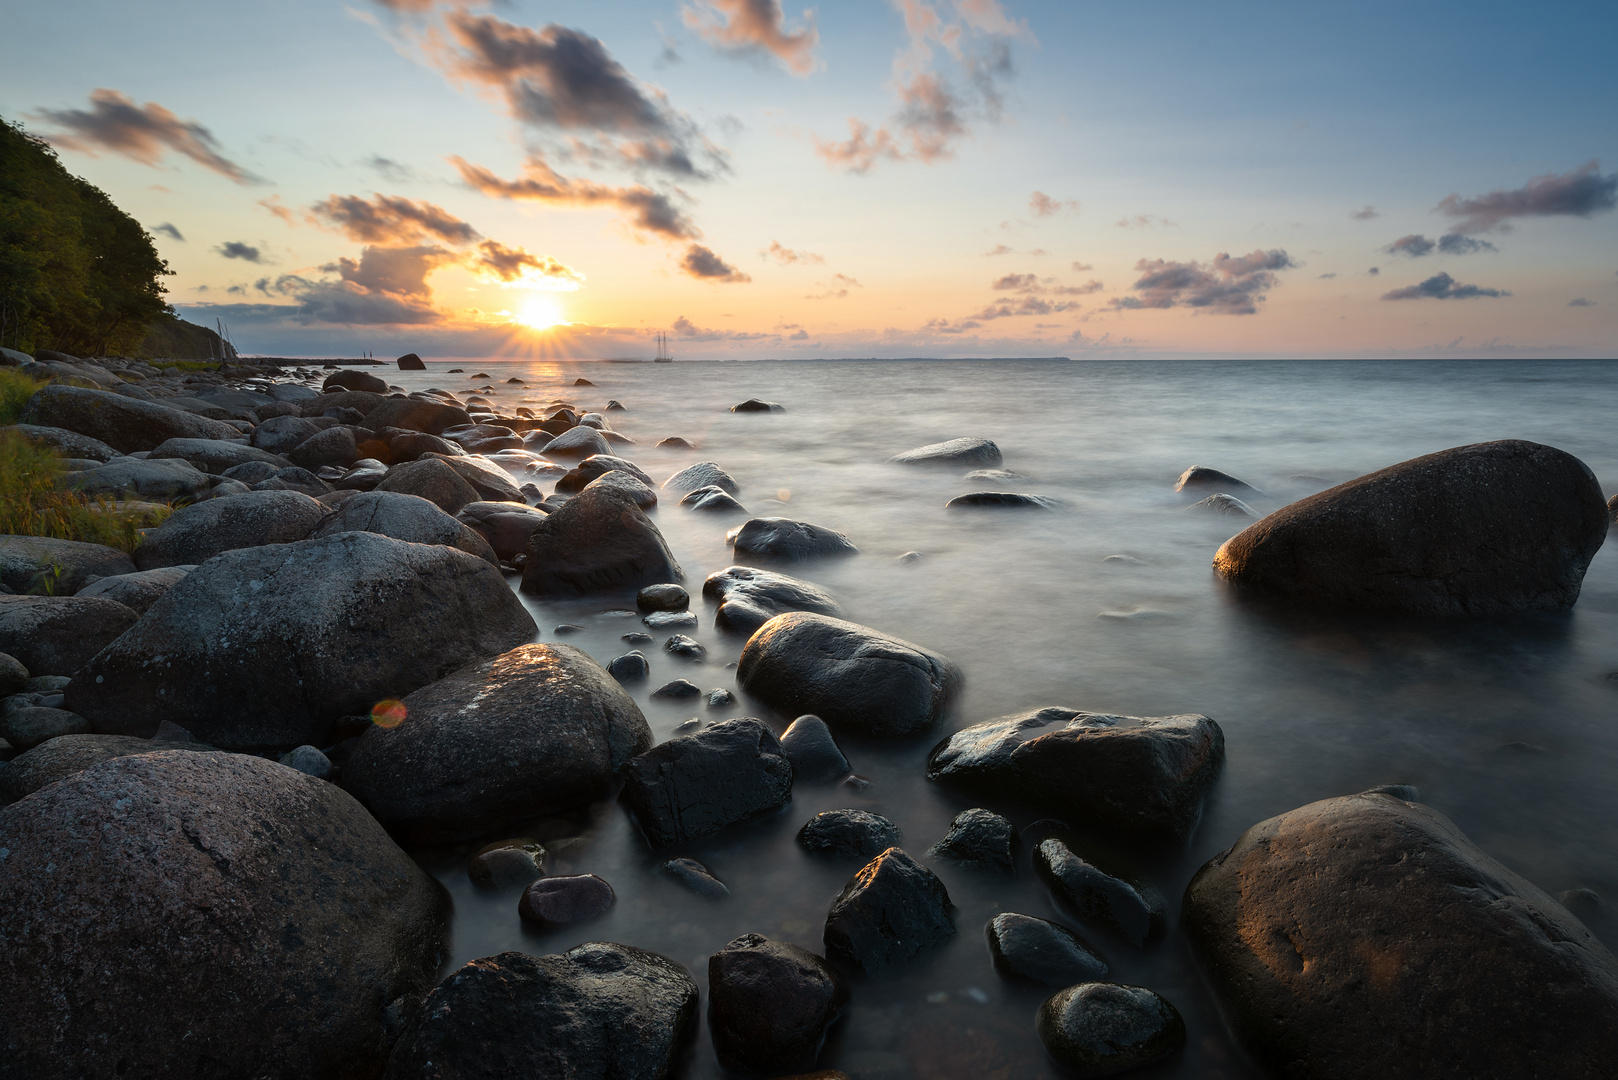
x,y
685,647
893,910
770,1004
598,540
757,405
696,877
814,754
1222,505
1004,499
662,597
849,834
980,839
1098,1029
966,451
630,667
1035,950
507,864
558,901
748,598
1200,479
1134,913
694,785
702,474
783,538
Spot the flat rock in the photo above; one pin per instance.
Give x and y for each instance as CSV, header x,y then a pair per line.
x,y
849,834
65,755
1132,912
166,480
403,517
698,784
893,910
980,839
597,541
1035,950
432,479
783,538
815,755
967,451
57,635
1099,1029
770,1004
123,423
194,534
30,563
702,474
748,598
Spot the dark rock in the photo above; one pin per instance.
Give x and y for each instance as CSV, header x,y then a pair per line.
x,y
580,442
626,486
507,864
248,473
264,648
582,382
849,834
360,401
635,637
712,499
403,517
28,727
283,434
364,475
1134,913
770,1004
1144,774
893,910
755,405
411,362
414,414
333,446
598,465
674,442
13,675
415,446
506,526
116,888
166,480
32,563
748,598
954,452
557,901
1007,499
630,667
679,688
1035,950
598,540
814,754
432,479
1099,1029
783,538
567,628
686,648
57,635
847,674
65,755
1485,529
696,877
980,839
194,534
122,423
668,620
308,760
70,444
302,480
490,481
355,380
1199,480
694,785
1368,936
538,729
213,455
719,697
1222,505
662,597
702,474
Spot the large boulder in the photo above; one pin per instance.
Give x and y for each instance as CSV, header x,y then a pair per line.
x,y
769,1005
599,1011
847,674
35,563
403,517
579,442
414,414
65,755
185,914
282,434
1484,529
70,444
972,453
333,446
748,598
1099,1029
263,648
139,590
1146,775
122,423
166,480
361,401
196,533
599,465
56,635
626,485
433,480
893,910
598,540
702,474
783,538
411,362
490,481
213,455
354,380
1365,936
697,784
540,728
506,526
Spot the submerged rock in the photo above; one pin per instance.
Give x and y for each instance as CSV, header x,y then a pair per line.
x,y
696,877
507,864
702,474
966,451
849,833
748,598
814,754
783,538
194,534
685,647
1222,505
1133,913
1199,479
756,405
770,1004
1008,499
893,910
596,466
662,597
1035,950
558,901
598,540
1098,1029
980,839
713,499
697,784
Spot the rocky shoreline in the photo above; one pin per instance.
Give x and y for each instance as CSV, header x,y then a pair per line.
x,y
221,748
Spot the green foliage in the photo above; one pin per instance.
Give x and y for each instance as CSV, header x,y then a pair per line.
x,y
77,274
33,504
171,337
15,390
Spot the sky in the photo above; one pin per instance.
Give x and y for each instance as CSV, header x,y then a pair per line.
x,y
855,178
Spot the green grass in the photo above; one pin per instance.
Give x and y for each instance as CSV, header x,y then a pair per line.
x,y
32,503
15,390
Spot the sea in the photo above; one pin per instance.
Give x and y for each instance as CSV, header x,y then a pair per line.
x,y
1509,726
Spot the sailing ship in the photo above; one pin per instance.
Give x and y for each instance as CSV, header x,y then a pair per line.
x,y
663,355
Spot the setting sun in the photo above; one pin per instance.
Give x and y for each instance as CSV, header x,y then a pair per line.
x,y
540,313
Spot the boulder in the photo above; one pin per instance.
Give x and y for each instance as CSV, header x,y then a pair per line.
x,y
414,414
309,760
411,362
403,517
490,481
599,465
769,1005
56,635
35,563
166,480
70,444
333,446
115,887
355,380
1367,936
674,442
1132,912
283,434
291,392
664,596
558,901
849,834
506,526
364,475
893,910
702,474
1034,950
301,480
27,727
263,648
847,674
598,540
815,755
361,401
756,405
579,442
697,784
748,598
483,438
1146,775
980,839
65,755
1003,499
783,538
630,667
213,455
249,473
507,864
538,729
139,590
1199,480
1485,529
626,486
122,423
13,675
432,479
419,444
194,534
678,688
598,1010
1098,1029
686,647
712,499
970,452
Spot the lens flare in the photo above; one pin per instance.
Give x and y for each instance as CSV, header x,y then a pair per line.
x,y
388,713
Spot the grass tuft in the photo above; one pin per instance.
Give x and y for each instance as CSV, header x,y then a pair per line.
x,y
15,390
32,503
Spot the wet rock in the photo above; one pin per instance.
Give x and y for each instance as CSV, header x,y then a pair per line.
x,y
630,667
662,597
702,474
1098,1029
557,901
1484,529
1038,951
598,540
719,697
122,423
57,635
65,755
31,563
689,787
847,674
13,675
355,380
1612,509
70,444
414,414
635,637
1222,505
28,727
166,480
578,442
194,534
309,761
403,517
770,1004
668,620
538,729
507,864
980,839
712,498
994,474
567,628
696,877
1134,913
432,479
814,754
954,452
756,405
893,910
748,598
1199,480
595,466
411,362
686,648
674,442
212,455
626,486
488,479
783,538
1369,937
1007,499
849,834
264,648
679,688
506,526
114,886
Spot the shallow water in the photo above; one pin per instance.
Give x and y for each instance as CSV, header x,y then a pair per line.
x,y
1507,726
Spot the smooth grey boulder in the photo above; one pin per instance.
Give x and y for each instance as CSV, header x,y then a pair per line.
x,y
361,401
490,481
295,478
626,485
166,480
1034,950
1199,480
1486,529
599,1011
364,475
433,480
977,453
283,434
551,902
1132,912
263,648
697,784
893,910
579,442
537,729
702,474
748,598
1145,775
403,517
783,538
249,473
13,675
599,465
122,423
770,1003
70,444
114,885
664,596
194,534
598,540
847,674
212,455
1367,936
35,563
506,526
1099,1029
56,635
355,380
414,414
415,445
333,446
27,727
65,755
291,392
310,761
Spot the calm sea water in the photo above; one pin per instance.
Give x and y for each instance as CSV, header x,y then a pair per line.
x,y
1510,727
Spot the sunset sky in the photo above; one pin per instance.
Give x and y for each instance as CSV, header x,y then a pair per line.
x,y
870,178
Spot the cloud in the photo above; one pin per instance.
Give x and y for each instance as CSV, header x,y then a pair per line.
x,y
392,171
1081,267
1584,192
391,219
1144,221
686,329
786,256
1020,282
401,271
1000,249
1415,245
1442,287
142,133
699,262
235,249
835,289
1374,271
169,230
351,302
1027,305
514,264
1228,286
1366,214
1581,302
1042,205
1091,286
274,205
755,26
648,210
1456,244
1328,277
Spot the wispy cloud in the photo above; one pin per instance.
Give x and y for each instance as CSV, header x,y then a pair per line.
x,y
756,26
1581,302
1415,245
235,249
835,289
702,263
1364,214
1042,205
391,219
648,210
1144,221
168,230
275,206
143,133
1584,192
1230,285
1442,287
787,257
510,265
